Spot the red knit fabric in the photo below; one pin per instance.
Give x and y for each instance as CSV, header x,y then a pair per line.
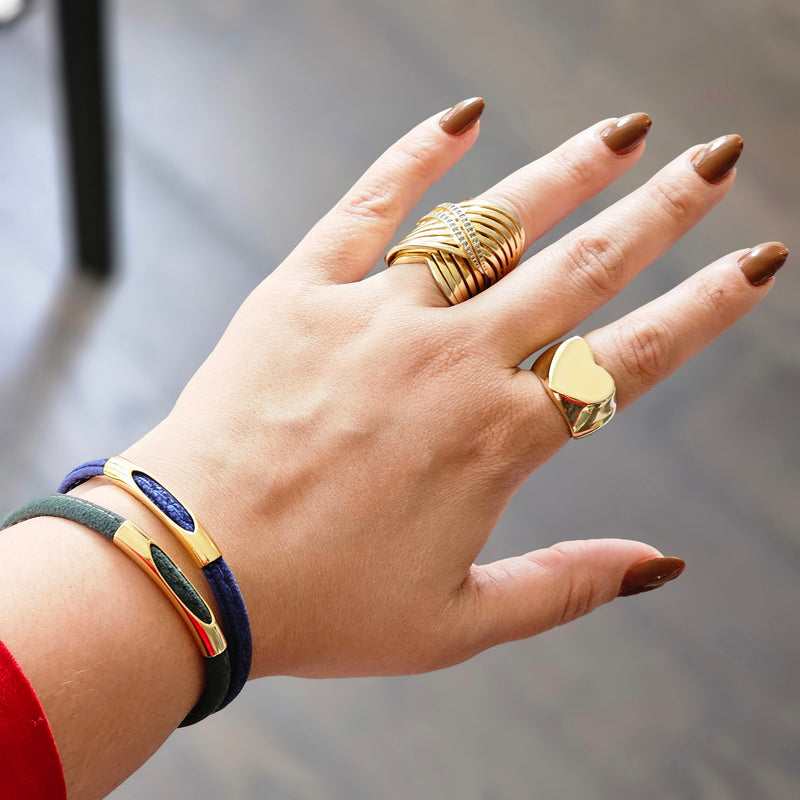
x,y
30,768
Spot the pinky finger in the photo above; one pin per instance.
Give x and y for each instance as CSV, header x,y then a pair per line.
x,y
644,347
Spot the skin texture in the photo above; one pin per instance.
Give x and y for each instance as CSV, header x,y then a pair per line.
x,y
351,443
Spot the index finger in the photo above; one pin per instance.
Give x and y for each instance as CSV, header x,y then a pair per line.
x,y
349,240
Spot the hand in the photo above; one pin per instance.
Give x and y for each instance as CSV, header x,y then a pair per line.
x,y
352,441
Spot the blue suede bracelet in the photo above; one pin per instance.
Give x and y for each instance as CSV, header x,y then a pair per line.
x,y
233,613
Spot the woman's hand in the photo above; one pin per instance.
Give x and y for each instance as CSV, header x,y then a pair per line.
x,y
352,441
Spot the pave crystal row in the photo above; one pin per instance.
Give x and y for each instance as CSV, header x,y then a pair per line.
x,y
467,247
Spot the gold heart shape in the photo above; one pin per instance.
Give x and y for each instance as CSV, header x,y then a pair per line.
x,y
574,374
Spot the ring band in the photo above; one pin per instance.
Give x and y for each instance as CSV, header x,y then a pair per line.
x,y
582,390
467,247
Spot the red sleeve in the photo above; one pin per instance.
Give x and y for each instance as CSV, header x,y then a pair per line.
x,y
31,768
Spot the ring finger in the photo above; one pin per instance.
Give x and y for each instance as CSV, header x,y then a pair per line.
x,y
643,348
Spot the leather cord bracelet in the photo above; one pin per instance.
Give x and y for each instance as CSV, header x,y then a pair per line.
x,y
165,574
196,540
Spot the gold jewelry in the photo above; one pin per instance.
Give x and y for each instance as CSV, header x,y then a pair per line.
x,y
467,247
582,390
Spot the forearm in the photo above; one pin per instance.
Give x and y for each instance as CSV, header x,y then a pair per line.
x,y
114,667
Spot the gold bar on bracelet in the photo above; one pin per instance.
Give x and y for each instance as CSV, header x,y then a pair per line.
x,y
197,542
132,540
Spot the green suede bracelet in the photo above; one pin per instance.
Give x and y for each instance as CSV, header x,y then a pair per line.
x,y
163,571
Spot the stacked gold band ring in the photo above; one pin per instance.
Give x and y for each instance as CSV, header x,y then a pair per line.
x,y
467,247
582,390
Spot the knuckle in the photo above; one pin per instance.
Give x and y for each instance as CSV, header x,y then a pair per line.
x,y
673,199
644,350
596,261
377,199
578,170
429,354
582,593
368,202
712,297
579,599
414,160
453,353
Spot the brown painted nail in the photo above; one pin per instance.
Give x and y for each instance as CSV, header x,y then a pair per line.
x,y
718,158
763,261
650,575
624,135
459,119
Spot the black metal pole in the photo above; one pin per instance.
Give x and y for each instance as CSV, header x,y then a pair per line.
x,y
81,31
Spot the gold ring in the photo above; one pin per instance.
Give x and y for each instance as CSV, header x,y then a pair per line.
x,y
583,391
467,247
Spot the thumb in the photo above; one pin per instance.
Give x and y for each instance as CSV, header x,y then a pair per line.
x,y
520,597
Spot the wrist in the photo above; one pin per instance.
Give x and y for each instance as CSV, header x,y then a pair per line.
x,y
234,647
198,471
114,667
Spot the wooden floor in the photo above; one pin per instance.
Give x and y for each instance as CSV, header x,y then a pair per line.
x,y
238,124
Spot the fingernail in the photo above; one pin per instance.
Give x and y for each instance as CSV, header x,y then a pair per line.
x,y
650,575
718,158
763,261
459,119
623,135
